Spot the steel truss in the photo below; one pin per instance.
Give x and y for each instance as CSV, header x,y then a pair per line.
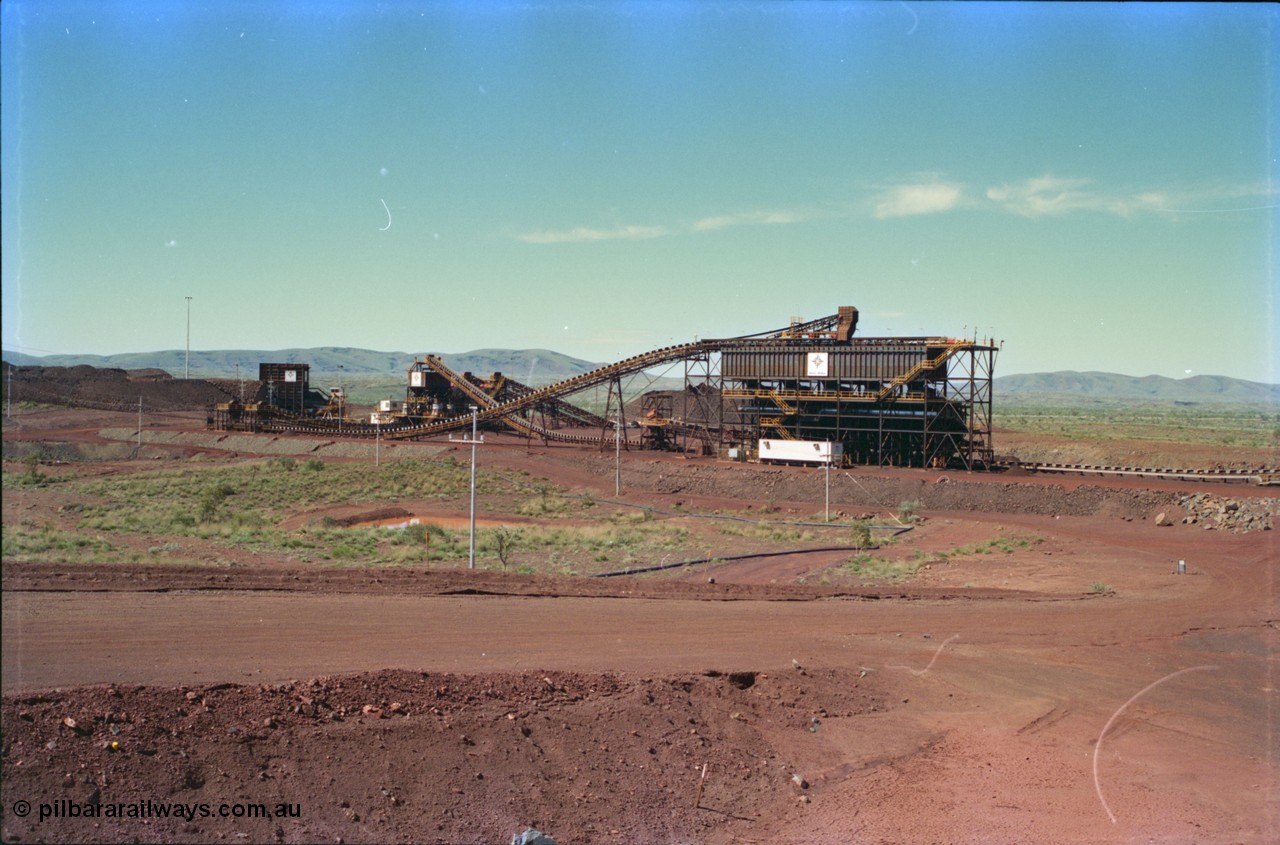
x,y
934,413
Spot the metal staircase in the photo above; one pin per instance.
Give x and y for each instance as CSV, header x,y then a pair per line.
x,y
953,346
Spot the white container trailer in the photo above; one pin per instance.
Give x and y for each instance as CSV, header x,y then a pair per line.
x,y
817,452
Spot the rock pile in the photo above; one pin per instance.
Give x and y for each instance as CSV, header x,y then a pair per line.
x,y
113,389
1236,515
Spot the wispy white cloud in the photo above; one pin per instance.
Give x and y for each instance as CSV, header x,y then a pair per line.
x,y
1051,195
1217,200
748,218
919,198
1041,196
583,234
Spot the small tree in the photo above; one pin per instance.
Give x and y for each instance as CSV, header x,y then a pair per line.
x,y
32,460
504,541
861,535
212,499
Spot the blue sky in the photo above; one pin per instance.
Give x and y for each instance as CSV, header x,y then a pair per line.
x,y
1094,185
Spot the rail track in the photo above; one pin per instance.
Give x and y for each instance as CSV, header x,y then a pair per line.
x,y
1264,476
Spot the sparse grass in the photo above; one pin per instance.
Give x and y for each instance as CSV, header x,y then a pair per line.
x,y
547,502
559,549
21,543
871,568
239,506
630,517
255,495
31,476
908,511
1099,587
772,533
1008,545
415,534
1247,426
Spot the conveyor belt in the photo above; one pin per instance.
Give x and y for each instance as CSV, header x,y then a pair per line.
x,y
636,363
507,411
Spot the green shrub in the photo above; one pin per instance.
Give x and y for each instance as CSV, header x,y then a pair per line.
x,y
212,499
882,569
32,461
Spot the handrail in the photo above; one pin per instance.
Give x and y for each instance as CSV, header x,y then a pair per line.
x,y
928,364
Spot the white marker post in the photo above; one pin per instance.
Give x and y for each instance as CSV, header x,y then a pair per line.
x,y
474,441
827,514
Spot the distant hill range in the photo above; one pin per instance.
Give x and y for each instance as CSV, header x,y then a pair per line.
x,y
1103,387
536,366
543,366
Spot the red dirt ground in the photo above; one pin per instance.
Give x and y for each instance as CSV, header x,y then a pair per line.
x,y
992,698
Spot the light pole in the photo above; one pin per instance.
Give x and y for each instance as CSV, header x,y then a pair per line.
x,y
827,514
474,441
186,369
471,558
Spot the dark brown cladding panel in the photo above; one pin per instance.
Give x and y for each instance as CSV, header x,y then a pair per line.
x,y
873,364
